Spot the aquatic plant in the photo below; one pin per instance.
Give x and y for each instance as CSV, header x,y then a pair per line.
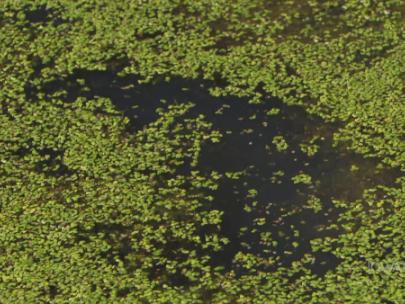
x,y
113,192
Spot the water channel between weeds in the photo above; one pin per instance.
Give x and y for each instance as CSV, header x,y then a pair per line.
x,y
290,172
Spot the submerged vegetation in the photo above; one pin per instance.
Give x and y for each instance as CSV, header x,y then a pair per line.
x,y
202,151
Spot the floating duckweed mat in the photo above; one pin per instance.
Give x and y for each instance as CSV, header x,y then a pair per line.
x,y
202,151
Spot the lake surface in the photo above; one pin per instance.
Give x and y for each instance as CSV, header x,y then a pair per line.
x,y
289,171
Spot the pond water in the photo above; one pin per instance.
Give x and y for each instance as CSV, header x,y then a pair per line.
x,y
289,170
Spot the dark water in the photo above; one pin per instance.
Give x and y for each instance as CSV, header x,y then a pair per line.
x,y
265,199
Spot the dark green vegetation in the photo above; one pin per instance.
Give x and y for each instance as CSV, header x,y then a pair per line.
x,y
202,151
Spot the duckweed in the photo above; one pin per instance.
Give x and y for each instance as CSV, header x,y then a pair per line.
x,y
202,151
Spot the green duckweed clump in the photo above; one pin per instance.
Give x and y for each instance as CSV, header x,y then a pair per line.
x,y
115,187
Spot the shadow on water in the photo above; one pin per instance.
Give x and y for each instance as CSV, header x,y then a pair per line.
x,y
289,171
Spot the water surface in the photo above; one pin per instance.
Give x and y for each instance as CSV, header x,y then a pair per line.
x,y
289,170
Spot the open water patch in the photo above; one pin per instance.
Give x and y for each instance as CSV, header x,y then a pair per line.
x,y
280,169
